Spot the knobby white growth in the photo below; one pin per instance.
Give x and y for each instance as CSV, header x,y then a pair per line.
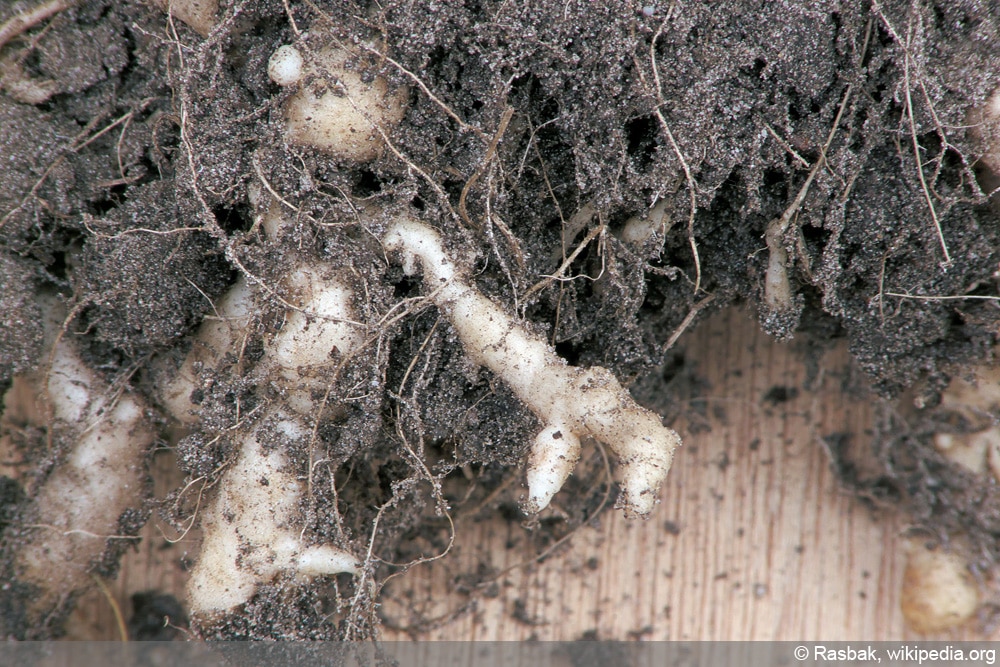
x,y
571,402
78,506
638,229
977,404
313,337
984,127
285,67
251,528
223,332
340,113
938,593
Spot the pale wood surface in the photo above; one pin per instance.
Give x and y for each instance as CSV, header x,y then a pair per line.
x,y
768,546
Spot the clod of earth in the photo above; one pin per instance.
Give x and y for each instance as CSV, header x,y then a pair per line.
x,y
418,240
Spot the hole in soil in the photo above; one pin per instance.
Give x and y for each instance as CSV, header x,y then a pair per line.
x,y
57,268
816,239
756,69
878,92
641,133
231,220
567,350
454,187
407,287
793,111
773,177
366,184
114,198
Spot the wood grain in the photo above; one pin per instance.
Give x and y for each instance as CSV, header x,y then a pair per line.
x,y
768,547
753,540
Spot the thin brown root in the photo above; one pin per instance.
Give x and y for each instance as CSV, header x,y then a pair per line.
x,y
487,159
777,291
115,607
881,288
255,160
688,319
81,140
548,280
953,297
692,187
455,612
788,149
194,514
565,538
572,227
920,165
18,23
370,556
907,59
137,230
420,84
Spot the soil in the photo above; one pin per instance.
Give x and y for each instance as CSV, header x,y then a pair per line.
x,y
126,191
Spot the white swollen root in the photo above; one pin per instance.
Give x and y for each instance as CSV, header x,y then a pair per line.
x,y
78,506
938,592
312,337
984,127
777,288
978,404
339,113
308,338
250,533
251,527
639,228
222,333
571,402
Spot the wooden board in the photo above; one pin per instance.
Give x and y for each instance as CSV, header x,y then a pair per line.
x,y
753,540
